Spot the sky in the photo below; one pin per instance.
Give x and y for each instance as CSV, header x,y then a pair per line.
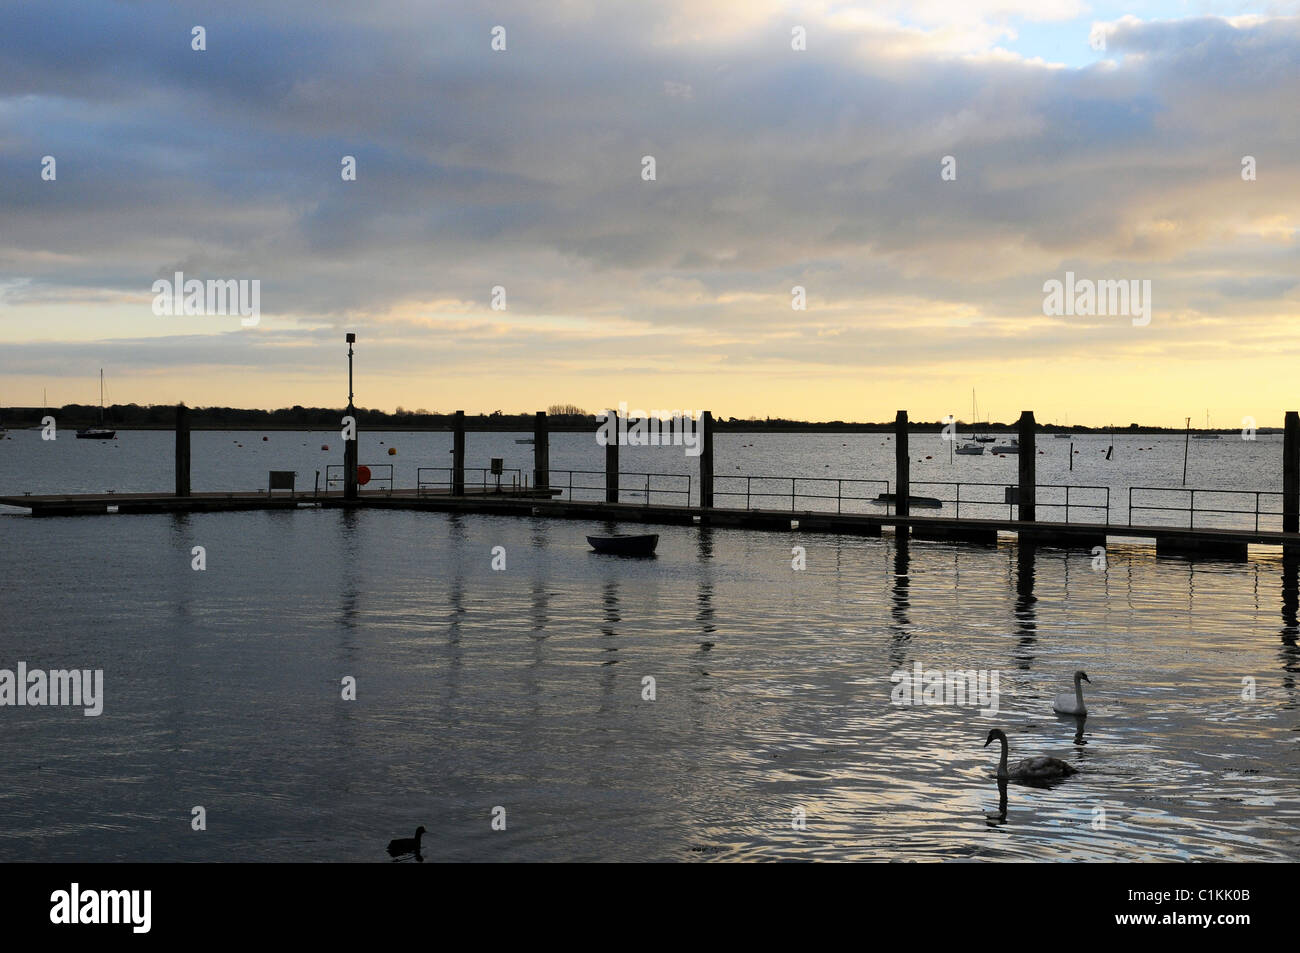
x,y
1098,139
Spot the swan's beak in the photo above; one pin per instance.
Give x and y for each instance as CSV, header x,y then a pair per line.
x,y
1087,679
988,741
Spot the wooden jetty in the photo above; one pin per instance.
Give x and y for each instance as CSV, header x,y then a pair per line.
x,y
538,500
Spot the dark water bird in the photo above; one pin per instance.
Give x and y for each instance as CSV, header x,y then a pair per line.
x,y
406,845
1068,703
1029,769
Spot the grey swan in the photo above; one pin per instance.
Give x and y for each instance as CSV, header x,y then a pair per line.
x,y
1029,769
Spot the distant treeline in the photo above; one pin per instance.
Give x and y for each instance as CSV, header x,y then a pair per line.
x,y
163,417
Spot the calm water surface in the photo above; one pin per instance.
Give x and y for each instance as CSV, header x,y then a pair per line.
x,y
523,688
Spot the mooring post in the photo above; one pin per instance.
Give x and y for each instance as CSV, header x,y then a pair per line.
x,y
611,458
350,446
706,459
182,450
1026,433
1291,473
902,505
458,455
350,461
541,452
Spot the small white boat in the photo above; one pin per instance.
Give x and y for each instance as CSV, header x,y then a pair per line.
x,y
972,449
1012,447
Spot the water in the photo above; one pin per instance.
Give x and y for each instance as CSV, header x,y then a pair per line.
x,y
523,689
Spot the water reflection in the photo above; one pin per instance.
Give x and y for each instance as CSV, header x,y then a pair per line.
x,y
704,595
900,629
1000,818
1026,619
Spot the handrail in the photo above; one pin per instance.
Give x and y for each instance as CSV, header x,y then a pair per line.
x,y
648,489
372,467
1192,509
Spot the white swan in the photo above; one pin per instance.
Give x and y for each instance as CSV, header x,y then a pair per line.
x,y
1030,769
1067,704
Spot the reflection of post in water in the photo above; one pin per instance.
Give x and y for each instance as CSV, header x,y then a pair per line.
x,y
704,598
349,533
1290,628
898,598
611,617
995,820
1026,620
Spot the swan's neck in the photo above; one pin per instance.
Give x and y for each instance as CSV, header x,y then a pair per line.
x,y
1002,762
1078,690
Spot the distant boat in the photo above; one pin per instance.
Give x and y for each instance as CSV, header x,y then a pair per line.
x,y
923,502
975,413
1206,436
1012,447
100,432
972,449
625,544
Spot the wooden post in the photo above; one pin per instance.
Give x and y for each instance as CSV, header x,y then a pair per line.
x,y
1291,473
541,452
611,459
903,488
350,460
458,455
706,459
1026,436
182,450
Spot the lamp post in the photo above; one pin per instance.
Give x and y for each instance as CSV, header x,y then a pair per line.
x,y
350,446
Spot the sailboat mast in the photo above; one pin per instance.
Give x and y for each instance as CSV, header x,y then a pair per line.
x,y
101,397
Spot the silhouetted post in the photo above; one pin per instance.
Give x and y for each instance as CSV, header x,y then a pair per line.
x,y
182,450
902,505
1291,473
458,454
541,452
706,459
1027,434
350,446
611,459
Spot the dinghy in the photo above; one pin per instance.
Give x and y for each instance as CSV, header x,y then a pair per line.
x,y
624,544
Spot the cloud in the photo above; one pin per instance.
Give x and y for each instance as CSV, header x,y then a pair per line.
x,y
523,169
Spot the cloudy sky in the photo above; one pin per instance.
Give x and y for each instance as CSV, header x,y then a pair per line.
x,y
1102,139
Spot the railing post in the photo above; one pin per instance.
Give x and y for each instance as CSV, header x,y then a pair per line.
x,y
611,458
182,450
458,455
706,459
1291,473
1028,465
901,462
541,453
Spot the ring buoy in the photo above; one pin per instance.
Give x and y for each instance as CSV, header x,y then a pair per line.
x,y
363,475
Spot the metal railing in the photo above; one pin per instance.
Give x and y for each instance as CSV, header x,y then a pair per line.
x,y
375,477
1191,509
629,484
793,494
506,479
1010,497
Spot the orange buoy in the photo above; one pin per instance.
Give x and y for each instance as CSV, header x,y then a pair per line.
x,y
263,438
392,451
363,475
324,446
